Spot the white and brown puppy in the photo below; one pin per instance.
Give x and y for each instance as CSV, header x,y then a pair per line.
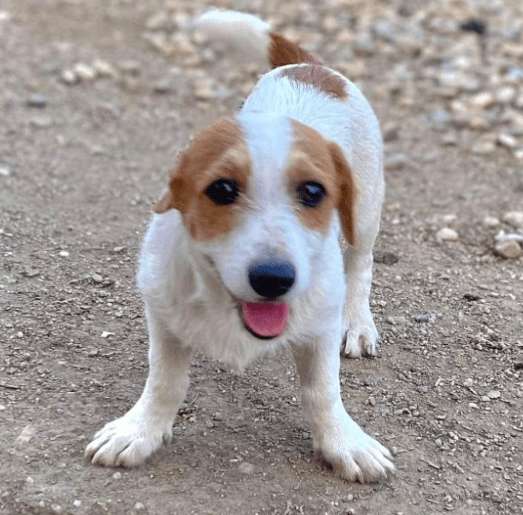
x,y
242,254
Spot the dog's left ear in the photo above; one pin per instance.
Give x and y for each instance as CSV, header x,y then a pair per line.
x,y
177,195
348,193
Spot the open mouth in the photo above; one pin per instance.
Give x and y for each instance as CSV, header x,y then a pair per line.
x,y
265,320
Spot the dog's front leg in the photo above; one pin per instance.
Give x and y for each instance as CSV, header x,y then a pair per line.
x,y
351,452
128,441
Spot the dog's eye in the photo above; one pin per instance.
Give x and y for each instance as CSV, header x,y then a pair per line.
x,y
222,192
311,194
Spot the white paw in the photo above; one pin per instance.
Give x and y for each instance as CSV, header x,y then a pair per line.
x,y
128,441
354,455
360,340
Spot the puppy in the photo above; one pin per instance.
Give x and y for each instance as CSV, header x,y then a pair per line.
x,y
242,254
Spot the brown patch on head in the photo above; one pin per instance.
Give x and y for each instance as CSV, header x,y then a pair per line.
x,y
314,159
320,77
218,152
283,52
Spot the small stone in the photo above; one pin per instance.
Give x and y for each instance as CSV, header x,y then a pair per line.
x,y
84,72
69,77
157,21
469,382
117,475
485,399
41,122
508,249
449,219
394,451
506,94
483,147
372,401
438,442
246,468
422,319
514,218
27,433
203,90
77,503
97,278
447,234
29,480
63,253
398,321
494,394
490,222
518,154
481,100
131,67
139,508
507,141
106,334
5,171
37,100
2,407
163,86
390,131
103,68
396,162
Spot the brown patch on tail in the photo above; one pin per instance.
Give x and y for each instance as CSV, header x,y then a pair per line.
x,y
283,52
320,77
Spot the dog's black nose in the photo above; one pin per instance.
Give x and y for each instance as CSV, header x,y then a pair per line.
x,y
271,279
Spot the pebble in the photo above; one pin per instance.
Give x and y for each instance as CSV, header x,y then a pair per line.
x,y
483,147
490,222
396,162
246,468
494,394
507,141
77,503
37,100
508,249
5,171
84,72
29,480
103,68
27,433
41,122
69,77
63,253
449,219
514,218
447,234
481,100
469,382
97,278
117,475
138,508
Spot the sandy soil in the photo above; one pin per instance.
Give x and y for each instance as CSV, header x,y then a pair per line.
x,y
80,165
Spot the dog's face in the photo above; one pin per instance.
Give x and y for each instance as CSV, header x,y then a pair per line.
x,y
258,196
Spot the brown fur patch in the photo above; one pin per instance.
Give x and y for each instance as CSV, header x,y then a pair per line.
x,y
313,158
320,77
218,152
283,52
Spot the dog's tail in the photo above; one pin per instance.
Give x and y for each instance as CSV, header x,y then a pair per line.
x,y
251,37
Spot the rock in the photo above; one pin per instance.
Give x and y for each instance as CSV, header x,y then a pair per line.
x,y
483,147
468,383
131,67
518,154
204,90
507,140
514,218
41,122
103,68
396,161
5,171
506,94
508,249
37,100
158,21
449,219
63,253
481,100
390,131
246,468
69,77
84,72
494,394
26,435
490,222
447,234
97,278
117,475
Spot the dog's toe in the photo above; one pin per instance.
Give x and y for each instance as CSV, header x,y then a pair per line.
x,y
359,342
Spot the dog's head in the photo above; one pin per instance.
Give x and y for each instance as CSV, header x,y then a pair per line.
x,y
258,196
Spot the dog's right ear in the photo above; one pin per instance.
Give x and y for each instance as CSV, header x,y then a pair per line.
x,y
178,193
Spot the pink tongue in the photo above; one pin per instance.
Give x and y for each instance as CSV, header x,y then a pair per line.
x,y
265,318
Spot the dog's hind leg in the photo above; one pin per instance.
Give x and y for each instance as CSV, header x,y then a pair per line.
x,y
128,441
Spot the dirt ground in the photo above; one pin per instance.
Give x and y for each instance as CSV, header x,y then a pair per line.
x,y
85,150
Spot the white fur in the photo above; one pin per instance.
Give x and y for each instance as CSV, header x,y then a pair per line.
x,y
187,285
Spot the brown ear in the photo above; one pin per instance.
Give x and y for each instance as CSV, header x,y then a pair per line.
x,y
348,194
174,197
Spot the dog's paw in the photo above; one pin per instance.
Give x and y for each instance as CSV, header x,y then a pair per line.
x,y
360,340
127,442
356,456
